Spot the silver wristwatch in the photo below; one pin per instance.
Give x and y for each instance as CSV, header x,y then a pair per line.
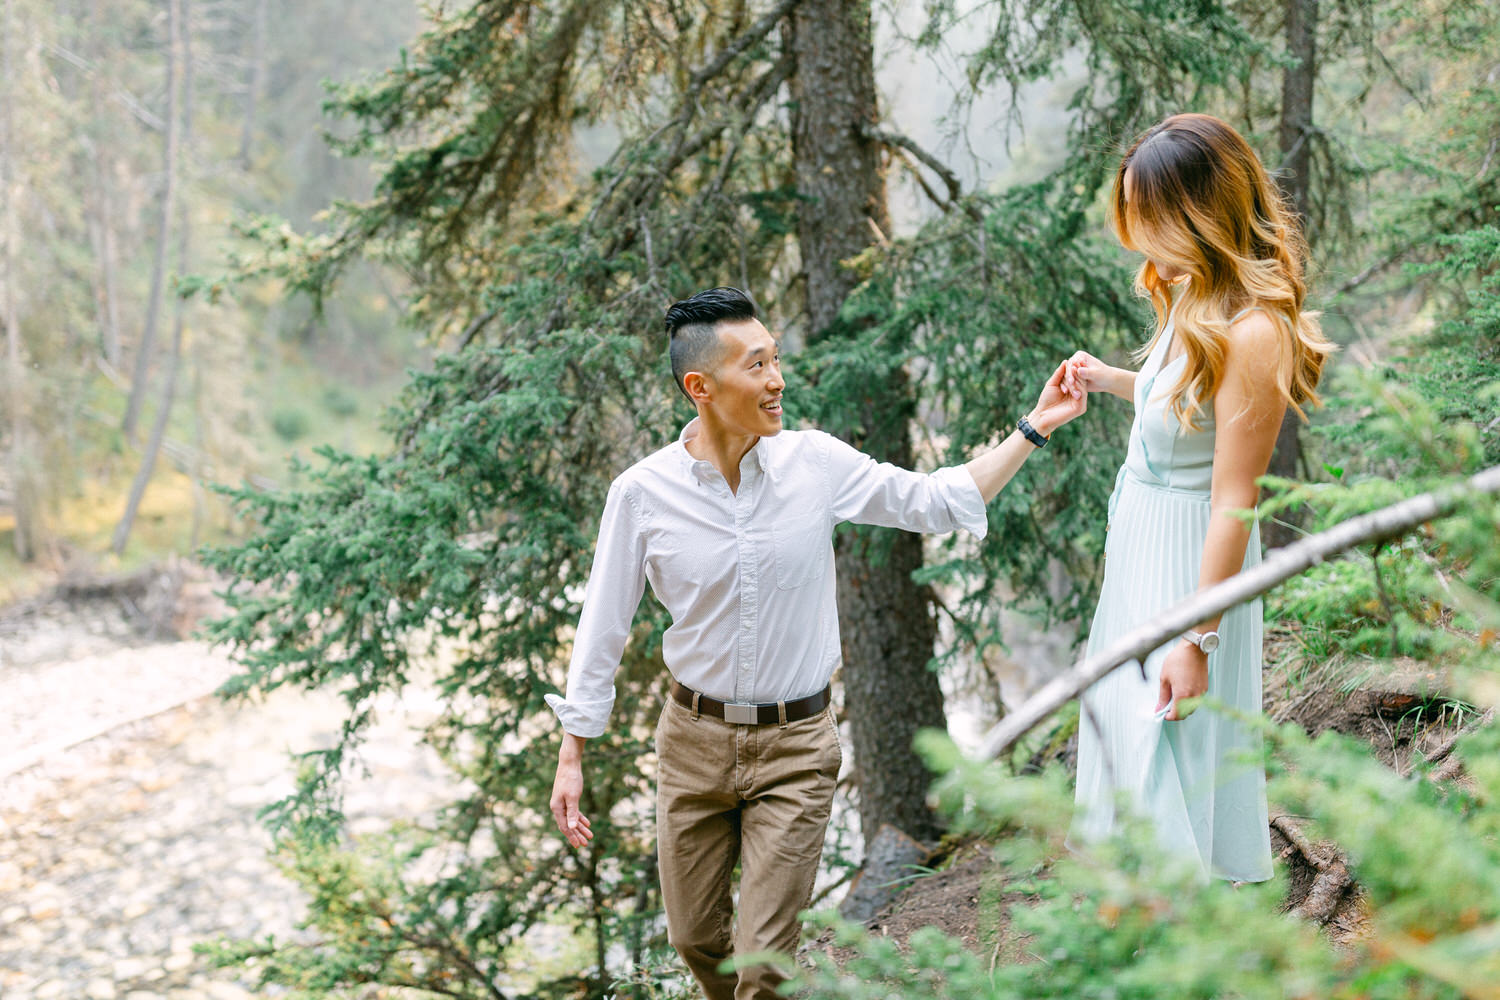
x,y
1206,641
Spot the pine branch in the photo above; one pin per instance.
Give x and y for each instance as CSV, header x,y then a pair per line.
x,y
756,32
1279,566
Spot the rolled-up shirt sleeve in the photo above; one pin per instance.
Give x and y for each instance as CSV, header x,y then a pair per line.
x,y
865,491
616,582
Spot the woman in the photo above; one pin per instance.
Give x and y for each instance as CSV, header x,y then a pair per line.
x,y
1232,349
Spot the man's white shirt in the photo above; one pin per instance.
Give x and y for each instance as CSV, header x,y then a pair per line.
x,y
747,576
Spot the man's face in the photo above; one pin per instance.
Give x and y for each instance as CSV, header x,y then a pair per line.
x,y
745,388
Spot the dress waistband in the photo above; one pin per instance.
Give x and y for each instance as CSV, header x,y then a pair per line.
x,y
1126,473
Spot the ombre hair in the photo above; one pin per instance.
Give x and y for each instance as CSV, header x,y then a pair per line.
x,y
1200,201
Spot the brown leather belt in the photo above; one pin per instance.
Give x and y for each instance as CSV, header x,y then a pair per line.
x,y
780,712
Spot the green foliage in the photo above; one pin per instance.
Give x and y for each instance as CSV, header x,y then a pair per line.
x,y
340,402
85,99
1432,413
980,315
1143,59
291,423
459,558
1125,919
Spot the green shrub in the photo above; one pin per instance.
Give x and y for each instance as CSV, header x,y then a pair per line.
x,y
290,423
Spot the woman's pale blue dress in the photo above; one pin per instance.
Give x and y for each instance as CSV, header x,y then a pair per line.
x,y
1199,780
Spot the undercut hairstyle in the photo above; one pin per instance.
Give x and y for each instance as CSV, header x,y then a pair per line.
x,y
693,329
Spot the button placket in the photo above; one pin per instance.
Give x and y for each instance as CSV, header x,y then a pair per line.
x,y
749,623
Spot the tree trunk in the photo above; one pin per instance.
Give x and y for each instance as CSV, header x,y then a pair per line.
x,y
182,54
102,238
885,618
1297,105
256,82
1295,136
19,459
101,210
141,380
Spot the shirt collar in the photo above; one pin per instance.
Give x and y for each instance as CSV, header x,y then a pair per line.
x,y
759,455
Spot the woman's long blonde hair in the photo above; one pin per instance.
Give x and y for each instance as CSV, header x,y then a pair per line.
x,y
1199,200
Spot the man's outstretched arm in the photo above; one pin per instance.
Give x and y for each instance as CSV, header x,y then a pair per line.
x,y
1061,400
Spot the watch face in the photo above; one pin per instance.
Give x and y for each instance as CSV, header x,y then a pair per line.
x,y
1209,642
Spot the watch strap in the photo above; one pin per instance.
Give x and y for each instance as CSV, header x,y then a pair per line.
x,y
1031,433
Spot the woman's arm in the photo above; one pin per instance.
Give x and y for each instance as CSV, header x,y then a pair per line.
x,y
1096,376
1248,408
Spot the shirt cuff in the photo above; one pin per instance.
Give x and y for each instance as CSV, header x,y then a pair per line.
x,y
581,718
965,501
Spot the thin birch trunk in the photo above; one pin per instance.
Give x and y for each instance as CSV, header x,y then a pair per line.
x,y
257,82
102,210
24,536
141,380
179,13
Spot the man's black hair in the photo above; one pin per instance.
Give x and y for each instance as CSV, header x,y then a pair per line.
x,y
692,328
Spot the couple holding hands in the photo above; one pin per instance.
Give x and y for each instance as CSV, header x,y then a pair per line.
x,y
732,524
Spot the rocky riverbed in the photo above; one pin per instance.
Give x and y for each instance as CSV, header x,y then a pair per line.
x,y
128,802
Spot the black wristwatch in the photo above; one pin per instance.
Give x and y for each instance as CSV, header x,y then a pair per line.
x,y
1206,641
1030,433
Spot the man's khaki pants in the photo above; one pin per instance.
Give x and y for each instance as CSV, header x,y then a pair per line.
x,y
759,795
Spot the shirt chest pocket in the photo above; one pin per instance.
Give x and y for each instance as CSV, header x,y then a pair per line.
x,y
801,545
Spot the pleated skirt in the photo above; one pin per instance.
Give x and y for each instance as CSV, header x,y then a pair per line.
x,y
1199,781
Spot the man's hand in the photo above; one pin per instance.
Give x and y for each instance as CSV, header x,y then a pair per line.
x,y
567,788
1061,400
1183,675
1095,376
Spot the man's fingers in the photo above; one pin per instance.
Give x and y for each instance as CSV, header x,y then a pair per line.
x,y
579,831
574,825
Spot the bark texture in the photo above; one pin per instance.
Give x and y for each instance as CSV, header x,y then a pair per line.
x,y
1295,139
885,618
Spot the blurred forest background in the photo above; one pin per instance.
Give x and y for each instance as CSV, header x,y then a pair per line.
x,y
439,284
132,141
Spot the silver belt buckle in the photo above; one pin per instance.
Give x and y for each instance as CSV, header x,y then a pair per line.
x,y
741,715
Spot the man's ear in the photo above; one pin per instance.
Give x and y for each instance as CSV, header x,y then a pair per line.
x,y
697,385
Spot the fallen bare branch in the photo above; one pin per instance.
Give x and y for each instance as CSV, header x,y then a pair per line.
x,y
1279,566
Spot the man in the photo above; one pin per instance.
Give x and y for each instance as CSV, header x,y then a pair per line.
x,y
733,525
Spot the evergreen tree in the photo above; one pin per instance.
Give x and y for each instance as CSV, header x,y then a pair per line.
x,y
750,151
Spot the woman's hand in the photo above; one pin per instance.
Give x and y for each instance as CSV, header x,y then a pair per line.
x,y
1183,675
1060,401
1093,375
